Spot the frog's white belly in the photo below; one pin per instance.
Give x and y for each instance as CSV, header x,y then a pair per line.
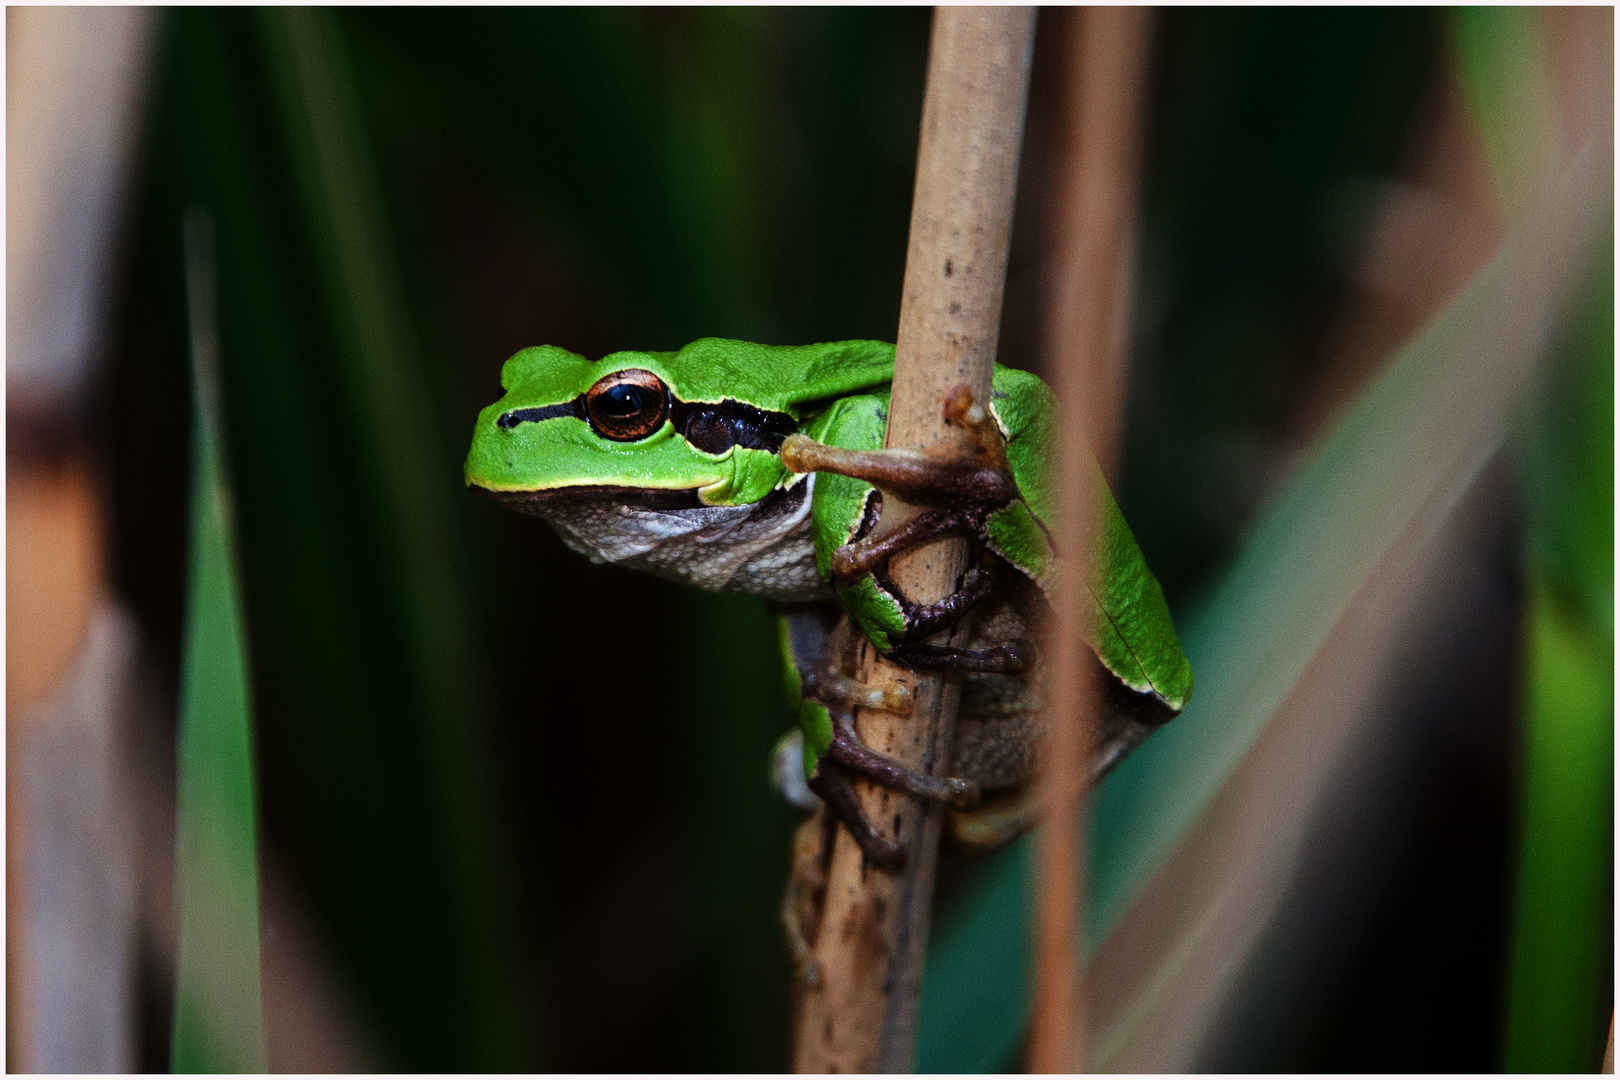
x,y
763,548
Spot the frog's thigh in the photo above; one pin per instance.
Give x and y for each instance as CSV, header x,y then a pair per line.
x,y
999,752
1002,748
998,743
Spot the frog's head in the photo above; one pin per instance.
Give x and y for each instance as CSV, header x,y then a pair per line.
x,y
700,427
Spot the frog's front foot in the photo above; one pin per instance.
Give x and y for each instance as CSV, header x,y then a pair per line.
x,y
847,757
957,493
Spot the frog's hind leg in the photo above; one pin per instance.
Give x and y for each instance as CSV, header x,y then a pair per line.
x,y
1124,718
1008,658
848,751
1006,815
836,789
847,757
925,619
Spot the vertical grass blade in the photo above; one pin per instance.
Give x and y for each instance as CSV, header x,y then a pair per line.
x,y
1557,1008
218,1021
1557,1012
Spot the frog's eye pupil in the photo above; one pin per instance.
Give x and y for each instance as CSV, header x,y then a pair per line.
x,y
627,405
623,400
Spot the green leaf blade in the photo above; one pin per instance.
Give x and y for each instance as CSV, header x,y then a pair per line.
x,y
218,1019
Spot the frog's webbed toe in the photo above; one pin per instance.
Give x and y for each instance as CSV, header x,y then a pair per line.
x,y
832,688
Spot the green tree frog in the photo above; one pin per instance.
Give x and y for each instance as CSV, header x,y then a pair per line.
x,y
761,469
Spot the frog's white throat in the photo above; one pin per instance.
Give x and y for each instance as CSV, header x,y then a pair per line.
x,y
763,548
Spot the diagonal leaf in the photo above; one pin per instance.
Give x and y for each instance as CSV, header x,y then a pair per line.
x,y
218,1023
1391,469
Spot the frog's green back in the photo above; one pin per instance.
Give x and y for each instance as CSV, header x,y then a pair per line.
x,y
780,378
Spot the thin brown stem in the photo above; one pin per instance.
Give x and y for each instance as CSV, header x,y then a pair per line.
x,y
1085,326
874,925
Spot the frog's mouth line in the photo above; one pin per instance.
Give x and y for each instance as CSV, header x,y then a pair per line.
x,y
540,502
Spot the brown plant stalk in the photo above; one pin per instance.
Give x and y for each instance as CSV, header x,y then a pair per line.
x,y
1088,276
861,1015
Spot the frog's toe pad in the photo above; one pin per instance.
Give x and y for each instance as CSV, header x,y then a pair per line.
x,y
961,794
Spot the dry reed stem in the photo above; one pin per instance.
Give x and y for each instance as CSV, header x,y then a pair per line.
x,y
1086,316
874,925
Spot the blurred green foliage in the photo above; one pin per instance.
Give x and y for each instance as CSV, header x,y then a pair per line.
x,y
1560,993
1563,923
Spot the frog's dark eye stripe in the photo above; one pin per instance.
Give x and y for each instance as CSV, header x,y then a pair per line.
x,y
632,404
509,420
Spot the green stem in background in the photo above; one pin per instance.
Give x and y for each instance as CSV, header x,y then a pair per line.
x,y
218,1020
1554,1020
1502,60
1557,1014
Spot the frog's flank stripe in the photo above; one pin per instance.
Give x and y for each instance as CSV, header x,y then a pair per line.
x,y
712,426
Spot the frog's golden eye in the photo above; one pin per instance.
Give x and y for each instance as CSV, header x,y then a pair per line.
x,y
627,405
